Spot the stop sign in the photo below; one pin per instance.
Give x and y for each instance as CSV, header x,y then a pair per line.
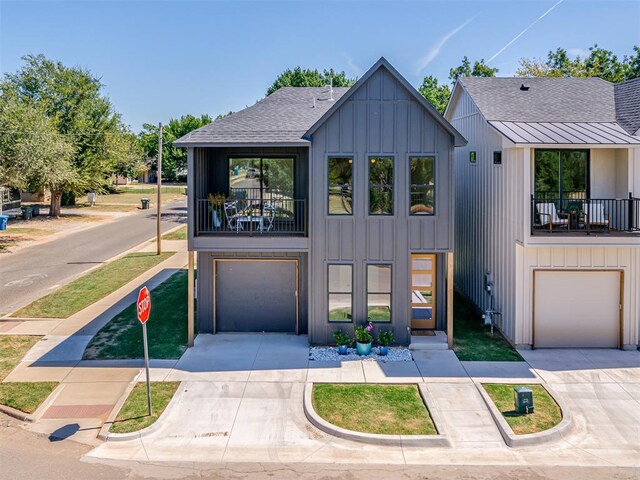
x,y
143,305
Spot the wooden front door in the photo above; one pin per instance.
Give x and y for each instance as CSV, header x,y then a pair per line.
x,y
423,291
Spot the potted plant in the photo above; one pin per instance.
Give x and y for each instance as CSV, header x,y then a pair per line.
x,y
216,203
343,341
384,340
364,338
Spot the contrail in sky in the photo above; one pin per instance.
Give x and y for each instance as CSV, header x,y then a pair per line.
x,y
524,31
435,50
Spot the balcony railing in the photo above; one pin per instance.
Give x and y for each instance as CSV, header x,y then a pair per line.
x,y
251,216
585,215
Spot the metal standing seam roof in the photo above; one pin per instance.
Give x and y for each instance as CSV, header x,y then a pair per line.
x,y
574,133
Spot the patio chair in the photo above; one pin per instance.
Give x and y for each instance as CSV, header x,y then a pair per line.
x,y
550,216
595,215
231,214
267,220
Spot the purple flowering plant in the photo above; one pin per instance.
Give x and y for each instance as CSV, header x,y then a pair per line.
x,y
363,333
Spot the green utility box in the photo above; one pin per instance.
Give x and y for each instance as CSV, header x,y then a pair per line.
x,y
523,399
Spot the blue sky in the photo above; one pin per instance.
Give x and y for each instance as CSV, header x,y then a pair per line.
x,y
163,59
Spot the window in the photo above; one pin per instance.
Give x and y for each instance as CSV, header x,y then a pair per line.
x,y
340,186
561,175
472,157
422,188
379,293
497,157
261,178
340,293
381,185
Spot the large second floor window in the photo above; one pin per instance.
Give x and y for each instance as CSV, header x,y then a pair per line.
x,y
561,175
340,186
381,185
422,187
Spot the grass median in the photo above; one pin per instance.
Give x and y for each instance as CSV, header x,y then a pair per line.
x,y
121,338
22,396
91,287
380,409
546,413
134,415
179,234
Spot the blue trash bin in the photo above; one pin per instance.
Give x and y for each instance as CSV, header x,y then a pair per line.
x,y
3,221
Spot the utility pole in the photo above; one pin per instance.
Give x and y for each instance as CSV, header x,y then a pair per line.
x,y
159,181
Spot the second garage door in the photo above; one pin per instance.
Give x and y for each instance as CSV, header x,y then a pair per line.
x,y
255,296
577,309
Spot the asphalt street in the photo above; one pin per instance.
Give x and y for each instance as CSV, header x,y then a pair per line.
x,y
32,272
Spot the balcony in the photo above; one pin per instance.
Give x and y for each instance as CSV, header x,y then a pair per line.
x,y
245,214
574,216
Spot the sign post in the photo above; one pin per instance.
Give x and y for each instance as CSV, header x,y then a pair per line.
x,y
143,308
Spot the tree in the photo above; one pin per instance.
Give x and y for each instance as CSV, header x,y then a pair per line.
x,y
599,63
299,77
71,99
436,95
480,69
33,155
174,160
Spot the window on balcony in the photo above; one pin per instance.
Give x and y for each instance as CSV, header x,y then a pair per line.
x,y
561,175
422,188
261,178
381,185
340,186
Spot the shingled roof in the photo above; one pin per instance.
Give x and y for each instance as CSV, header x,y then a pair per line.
x,y
627,98
281,118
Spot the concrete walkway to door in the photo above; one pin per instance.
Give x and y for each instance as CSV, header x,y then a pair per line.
x,y
241,400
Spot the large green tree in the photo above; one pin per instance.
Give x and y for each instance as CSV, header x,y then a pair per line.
x,y
305,77
174,160
71,99
598,63
436,95
466,69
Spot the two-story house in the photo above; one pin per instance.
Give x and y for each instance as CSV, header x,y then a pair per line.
x,y
319,208
548,208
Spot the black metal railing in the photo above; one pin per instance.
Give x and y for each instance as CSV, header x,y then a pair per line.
x,y
251,216
585,215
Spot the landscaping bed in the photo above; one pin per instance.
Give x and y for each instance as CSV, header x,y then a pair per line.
x,y
378,409
121,338
547,414
330,354
134,416
472,341
91,287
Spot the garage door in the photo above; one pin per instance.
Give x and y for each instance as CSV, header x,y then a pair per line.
x,y
255,296
577,309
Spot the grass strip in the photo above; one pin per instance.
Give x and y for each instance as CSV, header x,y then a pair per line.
x,y
91,287
179,234
134,416
25,396
472,341
121,338
546,413
381,409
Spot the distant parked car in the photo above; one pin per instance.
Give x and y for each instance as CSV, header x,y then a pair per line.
x,y
252,173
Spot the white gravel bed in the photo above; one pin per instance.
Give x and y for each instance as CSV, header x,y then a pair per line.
x,y
330,354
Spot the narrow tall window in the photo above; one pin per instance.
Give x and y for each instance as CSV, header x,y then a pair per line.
x,y
340,186
340,293
379,293
472,157
381,185
422,188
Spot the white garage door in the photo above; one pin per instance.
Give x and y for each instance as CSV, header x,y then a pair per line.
x,y
576,309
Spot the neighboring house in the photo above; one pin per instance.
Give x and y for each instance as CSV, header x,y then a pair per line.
x,y
548,208
318,208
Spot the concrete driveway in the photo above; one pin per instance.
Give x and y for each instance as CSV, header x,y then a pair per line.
x,y
241,401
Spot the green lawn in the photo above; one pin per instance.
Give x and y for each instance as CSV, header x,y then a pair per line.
x,y
90,288
546,413
134,415
382,409
179,234
166,328
472,341
26,397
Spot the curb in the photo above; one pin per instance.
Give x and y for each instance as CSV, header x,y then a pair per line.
x,y
438,440
107,436
17,414
512,440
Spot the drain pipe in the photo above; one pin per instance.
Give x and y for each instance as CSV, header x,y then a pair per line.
x,y
488,315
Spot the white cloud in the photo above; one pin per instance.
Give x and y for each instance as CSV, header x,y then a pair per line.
x,y
422,62
350,63
525,30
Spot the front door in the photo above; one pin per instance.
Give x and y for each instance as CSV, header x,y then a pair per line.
x,y
423,291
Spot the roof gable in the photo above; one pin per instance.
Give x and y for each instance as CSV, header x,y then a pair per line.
x,y
383,63
627,98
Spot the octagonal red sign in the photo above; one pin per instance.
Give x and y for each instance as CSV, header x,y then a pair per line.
x,y
143,305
